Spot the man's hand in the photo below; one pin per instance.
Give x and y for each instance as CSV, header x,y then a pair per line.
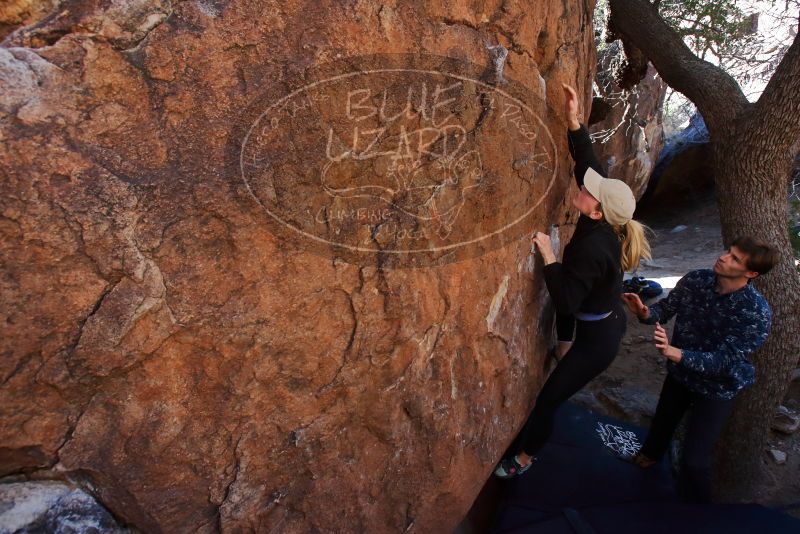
x,y
662,344
636,306
542,241
571,107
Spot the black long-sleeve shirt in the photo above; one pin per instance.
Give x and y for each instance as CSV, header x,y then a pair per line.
x,y
589,279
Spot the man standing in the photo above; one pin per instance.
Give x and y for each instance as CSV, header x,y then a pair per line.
x,y
721,320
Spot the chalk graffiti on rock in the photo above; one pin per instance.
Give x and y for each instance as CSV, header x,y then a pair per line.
x,y
390,160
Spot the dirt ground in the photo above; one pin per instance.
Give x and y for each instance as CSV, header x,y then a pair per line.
x,y
629,388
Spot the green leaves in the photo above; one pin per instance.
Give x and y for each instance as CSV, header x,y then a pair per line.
x,y
707,25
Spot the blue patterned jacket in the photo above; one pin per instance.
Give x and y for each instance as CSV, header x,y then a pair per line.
x,y
717,333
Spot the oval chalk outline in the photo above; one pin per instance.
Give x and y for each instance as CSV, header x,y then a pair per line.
x,y
395,251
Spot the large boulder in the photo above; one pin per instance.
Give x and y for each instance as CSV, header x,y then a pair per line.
x,y
626,122
265,265
684,171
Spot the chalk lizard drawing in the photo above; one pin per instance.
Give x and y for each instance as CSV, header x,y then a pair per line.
x,y
622,442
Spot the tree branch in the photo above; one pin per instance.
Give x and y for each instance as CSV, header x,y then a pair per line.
x,y
778,108
715,93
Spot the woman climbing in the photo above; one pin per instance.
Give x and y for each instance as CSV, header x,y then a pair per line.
x,y
586,288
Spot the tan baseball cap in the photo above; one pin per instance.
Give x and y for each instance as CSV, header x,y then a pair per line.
x,y
618,202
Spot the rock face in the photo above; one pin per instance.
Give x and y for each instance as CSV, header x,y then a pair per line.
x,y
241,293
17,13
628,131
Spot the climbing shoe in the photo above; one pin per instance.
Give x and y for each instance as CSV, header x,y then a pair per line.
x,y
510,468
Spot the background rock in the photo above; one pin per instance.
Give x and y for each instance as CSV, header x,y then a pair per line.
x,y
587,399
684,171
628,132
636,406
201,372
778,456
632,405
785,420
52,507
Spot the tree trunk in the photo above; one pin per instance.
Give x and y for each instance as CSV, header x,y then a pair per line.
x,y
752,161
751,195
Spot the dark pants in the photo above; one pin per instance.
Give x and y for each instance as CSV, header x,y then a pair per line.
x,y
595,347
706,420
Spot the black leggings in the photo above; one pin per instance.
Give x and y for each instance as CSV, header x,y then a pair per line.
x,y
595,347
707,417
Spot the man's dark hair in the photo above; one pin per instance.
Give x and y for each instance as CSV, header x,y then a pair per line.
x,y
760,256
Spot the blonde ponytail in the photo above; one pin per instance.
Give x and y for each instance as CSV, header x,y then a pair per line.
x,y
634,244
